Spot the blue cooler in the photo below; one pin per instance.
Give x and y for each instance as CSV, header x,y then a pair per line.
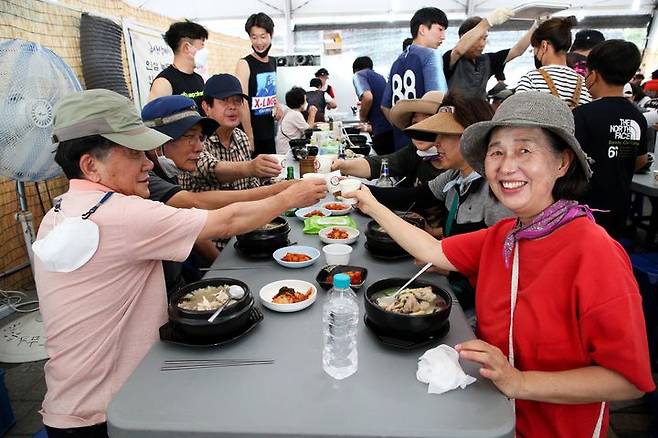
x,y
7,419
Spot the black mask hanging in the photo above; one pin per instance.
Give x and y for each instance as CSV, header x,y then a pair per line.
x,y
264,53
538,63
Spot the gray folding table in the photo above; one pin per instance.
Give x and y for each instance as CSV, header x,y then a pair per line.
x,y
294,397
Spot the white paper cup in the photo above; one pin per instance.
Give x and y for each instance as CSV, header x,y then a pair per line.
x,y
281,159
349,185
337,253
313,175
323,163
332,179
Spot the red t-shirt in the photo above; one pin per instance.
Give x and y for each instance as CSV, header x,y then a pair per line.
x,y
578,305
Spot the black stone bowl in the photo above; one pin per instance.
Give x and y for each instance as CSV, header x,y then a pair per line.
x,y
358,139
312,150
195,323
265,240
282,229
380,243
401,325
298,143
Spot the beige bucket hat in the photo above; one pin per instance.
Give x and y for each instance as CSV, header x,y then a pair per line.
x,y
404,109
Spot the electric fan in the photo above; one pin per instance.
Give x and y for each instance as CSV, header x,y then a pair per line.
x,y
32,79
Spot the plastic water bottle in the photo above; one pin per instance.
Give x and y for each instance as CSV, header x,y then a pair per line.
x,y
340,316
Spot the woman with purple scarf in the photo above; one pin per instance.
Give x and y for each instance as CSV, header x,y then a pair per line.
x,y
560,324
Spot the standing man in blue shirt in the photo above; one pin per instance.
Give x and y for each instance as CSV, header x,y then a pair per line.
x,y
419,68
369,87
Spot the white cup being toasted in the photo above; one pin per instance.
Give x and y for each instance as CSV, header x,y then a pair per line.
x,y
310,175
349,185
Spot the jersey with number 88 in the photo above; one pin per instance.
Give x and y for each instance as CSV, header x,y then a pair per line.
x,y
403,87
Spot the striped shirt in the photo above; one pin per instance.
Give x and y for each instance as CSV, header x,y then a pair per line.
x,y
565,80
204,178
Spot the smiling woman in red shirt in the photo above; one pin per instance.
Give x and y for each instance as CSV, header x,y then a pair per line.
x,y
560,323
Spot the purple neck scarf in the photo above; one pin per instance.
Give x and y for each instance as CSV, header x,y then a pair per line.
x,y
552,218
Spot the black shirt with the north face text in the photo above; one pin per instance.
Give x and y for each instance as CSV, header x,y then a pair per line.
x,y
612,131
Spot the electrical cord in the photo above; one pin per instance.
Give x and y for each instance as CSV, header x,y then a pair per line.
x,y
15,300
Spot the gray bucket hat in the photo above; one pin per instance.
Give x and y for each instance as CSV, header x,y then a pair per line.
x,y
531,109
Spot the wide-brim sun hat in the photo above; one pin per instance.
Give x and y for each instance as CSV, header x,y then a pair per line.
x,y
443,122
531,109
403,111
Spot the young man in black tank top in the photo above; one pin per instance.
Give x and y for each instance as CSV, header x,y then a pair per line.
x,y
187,40
257,75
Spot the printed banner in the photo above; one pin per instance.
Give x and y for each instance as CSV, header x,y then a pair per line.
x,y
148,55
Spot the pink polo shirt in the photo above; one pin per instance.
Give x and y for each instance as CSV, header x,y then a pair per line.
x,y
102,318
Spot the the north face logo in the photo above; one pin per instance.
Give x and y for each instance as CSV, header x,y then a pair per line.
x,y
628,129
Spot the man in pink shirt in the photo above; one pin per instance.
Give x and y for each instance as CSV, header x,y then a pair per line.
x,y
99,252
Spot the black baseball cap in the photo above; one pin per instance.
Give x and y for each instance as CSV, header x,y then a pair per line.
x,y
586,39
322,72
222,86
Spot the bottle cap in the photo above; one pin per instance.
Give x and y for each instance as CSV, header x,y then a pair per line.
x,y
341,281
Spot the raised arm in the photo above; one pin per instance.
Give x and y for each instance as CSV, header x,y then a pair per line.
x,y
263,166
213,199
495,18
415,241
467,41
241,217
521,45
354,167
242,72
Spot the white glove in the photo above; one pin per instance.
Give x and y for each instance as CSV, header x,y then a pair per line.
x,y
499,16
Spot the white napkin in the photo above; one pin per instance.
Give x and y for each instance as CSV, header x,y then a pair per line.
x,y
440,368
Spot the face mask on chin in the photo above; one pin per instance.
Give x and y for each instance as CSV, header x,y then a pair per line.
x,y
264,53
429,153
168,166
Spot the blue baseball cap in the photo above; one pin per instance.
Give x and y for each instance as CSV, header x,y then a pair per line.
x,y
222,86
175,115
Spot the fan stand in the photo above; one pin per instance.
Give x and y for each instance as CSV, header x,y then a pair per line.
x,y
24,217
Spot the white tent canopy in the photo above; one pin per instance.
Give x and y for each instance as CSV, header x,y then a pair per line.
x,y
288,15
323,11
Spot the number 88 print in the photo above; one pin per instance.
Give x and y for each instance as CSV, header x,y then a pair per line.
x,y
403,87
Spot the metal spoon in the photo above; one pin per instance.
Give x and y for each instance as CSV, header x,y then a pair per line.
x,y
423,269
408,210
235,292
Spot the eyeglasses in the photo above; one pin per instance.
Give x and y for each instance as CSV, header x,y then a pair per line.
x,y
191,138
